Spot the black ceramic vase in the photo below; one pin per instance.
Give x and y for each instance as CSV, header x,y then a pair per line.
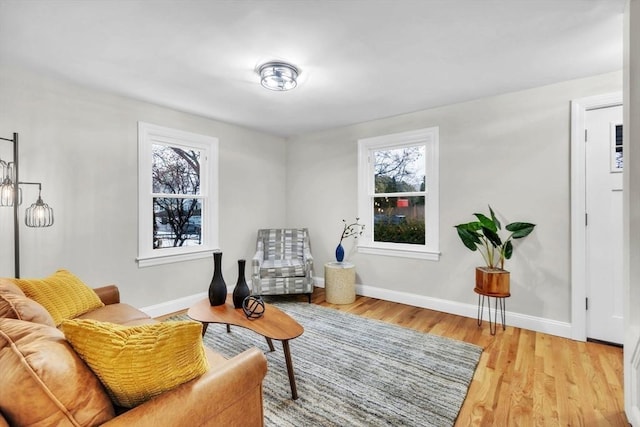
x,y
241,290
217,288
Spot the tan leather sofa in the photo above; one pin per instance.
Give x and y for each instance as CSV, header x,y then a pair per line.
x,y
228,394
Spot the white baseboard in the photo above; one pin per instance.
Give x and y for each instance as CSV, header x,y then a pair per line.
x,y
179,304
172,306
525,321
538,324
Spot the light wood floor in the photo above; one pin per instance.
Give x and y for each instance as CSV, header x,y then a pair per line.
x,y
524,378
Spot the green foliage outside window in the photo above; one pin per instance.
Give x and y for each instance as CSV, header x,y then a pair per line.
x,y
410,231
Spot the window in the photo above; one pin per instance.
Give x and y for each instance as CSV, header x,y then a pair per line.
x,y
398,194
178,190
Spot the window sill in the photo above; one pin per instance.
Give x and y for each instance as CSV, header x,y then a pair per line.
x,y
150,261
401,253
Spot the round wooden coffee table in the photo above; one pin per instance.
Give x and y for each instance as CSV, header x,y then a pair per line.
x,y
273,325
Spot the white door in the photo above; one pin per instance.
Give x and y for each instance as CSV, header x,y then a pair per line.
x,y
604,224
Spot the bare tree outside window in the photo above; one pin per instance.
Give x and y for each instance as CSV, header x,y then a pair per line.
x,y
177,201
398,170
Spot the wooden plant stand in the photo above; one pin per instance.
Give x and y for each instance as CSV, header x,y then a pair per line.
x,y
492,283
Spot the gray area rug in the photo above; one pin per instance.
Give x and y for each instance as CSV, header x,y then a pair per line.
x,y
353,371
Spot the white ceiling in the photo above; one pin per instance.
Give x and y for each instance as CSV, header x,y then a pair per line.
x,y
360,59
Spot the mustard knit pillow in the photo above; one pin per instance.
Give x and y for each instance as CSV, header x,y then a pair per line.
x,y
62,294
136,363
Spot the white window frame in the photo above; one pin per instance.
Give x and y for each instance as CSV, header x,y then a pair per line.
x,y
149,134
429,138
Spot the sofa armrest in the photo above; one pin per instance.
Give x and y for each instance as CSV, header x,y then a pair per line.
x,y
229,394
108,294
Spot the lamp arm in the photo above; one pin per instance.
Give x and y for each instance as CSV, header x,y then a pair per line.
x,y
39,184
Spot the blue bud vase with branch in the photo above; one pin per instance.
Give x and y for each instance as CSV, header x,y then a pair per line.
x,y
339,252
354,229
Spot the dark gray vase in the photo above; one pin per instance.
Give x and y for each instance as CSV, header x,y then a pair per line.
x,y
241,290
217,288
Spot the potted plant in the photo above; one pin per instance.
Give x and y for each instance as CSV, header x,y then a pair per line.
x,y
482,235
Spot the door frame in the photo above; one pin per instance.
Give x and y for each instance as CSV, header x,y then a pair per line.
x,y
579,107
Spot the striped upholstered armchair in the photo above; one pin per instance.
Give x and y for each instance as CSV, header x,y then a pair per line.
x,y
283,263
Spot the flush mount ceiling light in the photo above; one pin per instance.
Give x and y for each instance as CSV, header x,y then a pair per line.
x,y
278,76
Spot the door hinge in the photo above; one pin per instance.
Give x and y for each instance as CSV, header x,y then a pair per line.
x,y
585,135
586,219
586,303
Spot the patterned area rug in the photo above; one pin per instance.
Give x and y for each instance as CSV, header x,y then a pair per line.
x,y
353,371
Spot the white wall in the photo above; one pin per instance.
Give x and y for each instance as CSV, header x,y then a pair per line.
x,y
510,151
631,259
82,144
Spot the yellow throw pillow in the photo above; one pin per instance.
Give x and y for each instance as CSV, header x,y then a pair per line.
x,y
136,363
63,295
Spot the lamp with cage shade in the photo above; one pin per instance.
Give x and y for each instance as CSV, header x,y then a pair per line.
x,y
39,214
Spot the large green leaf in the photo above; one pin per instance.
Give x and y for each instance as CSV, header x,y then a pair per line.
x,y
494,219
508,250
492,236
486,222
469,238
520,229
471,226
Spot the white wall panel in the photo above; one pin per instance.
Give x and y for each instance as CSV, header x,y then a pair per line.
x,y
82,145
510,151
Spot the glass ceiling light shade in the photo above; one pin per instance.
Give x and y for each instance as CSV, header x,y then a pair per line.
x,y
278,76
39,214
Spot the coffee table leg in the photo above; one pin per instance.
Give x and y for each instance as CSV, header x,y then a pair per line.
x,y
205,325
270,343
292,379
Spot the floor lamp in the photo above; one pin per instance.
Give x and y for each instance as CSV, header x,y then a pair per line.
x,y
39,214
